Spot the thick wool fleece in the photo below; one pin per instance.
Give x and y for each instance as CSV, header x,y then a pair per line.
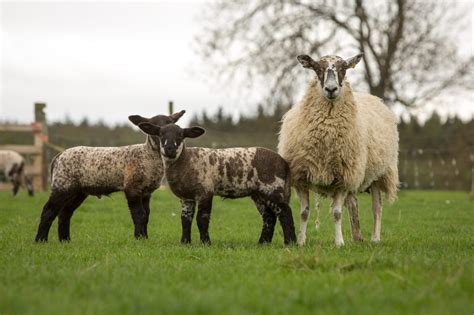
x,y
348,144
98,171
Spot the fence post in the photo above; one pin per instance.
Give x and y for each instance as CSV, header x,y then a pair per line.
x,y
170,107
41,136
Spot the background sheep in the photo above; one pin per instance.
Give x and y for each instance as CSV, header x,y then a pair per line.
x,y
12,165
339,143
195,175
137,170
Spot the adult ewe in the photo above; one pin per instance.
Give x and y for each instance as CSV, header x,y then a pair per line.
x,y
338,143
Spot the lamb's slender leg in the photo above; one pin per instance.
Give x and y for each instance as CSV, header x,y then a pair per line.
x,y
187,214
317,207
146,206
287,224
65,214
138,214
268,228
303,197
377,211
49,213
203,218
353,207
337,203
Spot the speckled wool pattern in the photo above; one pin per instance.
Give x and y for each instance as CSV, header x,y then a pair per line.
x,y
8,159
138,169
348,144
231,173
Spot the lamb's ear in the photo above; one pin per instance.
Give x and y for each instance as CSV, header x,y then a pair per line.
x,y
176,116
193,132
306,61
137,119
149,128
352,62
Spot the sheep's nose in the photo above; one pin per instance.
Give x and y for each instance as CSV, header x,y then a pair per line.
x,y
330,90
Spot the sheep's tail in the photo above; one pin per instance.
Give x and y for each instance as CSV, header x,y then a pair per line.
x,y
52,165
389,184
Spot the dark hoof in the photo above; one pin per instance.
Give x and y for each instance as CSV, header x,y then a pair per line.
x,y
41,239
206,241
64,239
141,237
185,241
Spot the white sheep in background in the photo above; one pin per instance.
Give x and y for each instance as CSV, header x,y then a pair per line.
x,y
12,165
339,143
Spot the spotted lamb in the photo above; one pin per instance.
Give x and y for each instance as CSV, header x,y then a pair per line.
x,y
196,175
338,143
78,172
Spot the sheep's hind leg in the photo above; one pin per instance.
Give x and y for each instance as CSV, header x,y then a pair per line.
x,y
303,197
377,211
353,207
203,218
138,214
187,214
337,203
49,213
317,207
286,222
146,206
65,214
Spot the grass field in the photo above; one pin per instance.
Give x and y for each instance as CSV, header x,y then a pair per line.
x,y
424,264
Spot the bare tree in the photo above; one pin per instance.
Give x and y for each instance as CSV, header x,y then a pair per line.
x,y
410,46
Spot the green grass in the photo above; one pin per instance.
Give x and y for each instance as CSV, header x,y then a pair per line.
x,y
424,264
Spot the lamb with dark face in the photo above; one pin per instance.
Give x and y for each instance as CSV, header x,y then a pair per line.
x,y
196,175
78,172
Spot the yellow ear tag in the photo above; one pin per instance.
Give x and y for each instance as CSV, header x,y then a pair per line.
x,y
353,66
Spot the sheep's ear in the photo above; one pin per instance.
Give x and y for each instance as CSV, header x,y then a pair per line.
x,y
193,132
137,119
149,128
308,62
176,116
352,62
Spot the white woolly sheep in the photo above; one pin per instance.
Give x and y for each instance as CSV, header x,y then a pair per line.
x,y
195,175
12,165
338,143
137,170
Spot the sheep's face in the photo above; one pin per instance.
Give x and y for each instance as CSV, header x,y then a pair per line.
x,y
330,71
171,138
158,120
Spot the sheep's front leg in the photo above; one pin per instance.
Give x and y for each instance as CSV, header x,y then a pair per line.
x,y
337,203
203,218
353,207
138,214
187,215
146,207
377,210
303,197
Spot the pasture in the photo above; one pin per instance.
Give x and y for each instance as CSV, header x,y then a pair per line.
x,y
424,264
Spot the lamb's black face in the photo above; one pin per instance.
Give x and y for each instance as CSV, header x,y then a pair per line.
x,y
171,138
158,120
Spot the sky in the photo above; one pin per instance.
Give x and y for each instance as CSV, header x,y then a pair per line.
x,y
108,60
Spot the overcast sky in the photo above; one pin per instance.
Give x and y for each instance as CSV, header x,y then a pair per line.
x,y
107,60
